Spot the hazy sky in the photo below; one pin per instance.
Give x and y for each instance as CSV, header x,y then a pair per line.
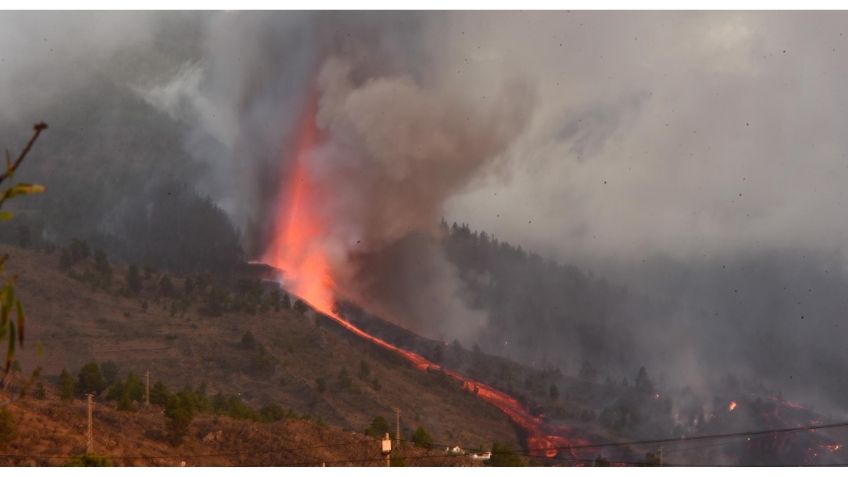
x,y
673,133
684,134
684,140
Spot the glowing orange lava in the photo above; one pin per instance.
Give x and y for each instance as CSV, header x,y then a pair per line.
x,y
731,406
832,447
298,249
298,246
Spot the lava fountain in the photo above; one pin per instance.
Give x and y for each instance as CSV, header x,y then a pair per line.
x,y
299,250
298,246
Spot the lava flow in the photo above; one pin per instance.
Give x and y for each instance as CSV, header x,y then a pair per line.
x,y
298,249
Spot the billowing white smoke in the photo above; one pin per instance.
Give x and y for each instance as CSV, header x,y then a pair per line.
x,y
395,151
398,140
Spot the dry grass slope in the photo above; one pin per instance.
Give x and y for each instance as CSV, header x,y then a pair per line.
x,y
77,324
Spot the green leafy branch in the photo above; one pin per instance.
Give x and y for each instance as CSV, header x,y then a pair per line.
x,y
12,318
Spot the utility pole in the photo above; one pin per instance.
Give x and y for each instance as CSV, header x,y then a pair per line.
x,y
147,388
397,427
89,448
661,457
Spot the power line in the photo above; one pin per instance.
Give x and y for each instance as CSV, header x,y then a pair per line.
x,y
674,440
699,438
527,453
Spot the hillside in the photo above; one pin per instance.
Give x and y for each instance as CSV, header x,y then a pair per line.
x,y
50,432
293,360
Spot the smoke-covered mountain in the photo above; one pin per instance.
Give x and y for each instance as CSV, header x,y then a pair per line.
x,y
675,207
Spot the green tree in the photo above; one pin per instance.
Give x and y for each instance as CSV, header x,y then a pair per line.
x,y
67,384
126,392
233,406
159,394
378,428
643,382
90,380
179,414
422,439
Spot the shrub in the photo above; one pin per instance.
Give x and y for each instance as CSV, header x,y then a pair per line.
x,y
233,406
215,302
159,394
248,341
125,403
90,380
7,426
127,391
66,385
422,439
364,370
90,459
179,414
271,413
262,363
378,428
39,392
166,286
300,306
196,399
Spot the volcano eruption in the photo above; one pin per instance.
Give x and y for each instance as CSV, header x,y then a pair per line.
x,y
300,253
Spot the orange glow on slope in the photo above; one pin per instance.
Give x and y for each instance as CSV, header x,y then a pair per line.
x,y
298,250
732,406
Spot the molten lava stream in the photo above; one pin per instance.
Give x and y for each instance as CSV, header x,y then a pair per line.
x,y
298,249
